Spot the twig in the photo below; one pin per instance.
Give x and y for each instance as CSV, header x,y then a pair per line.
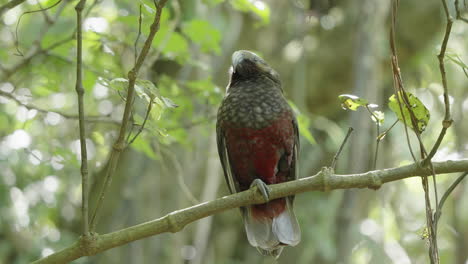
x,y
7,73
447,122
120,143
458,13
148,110
138,36
335,158
176,220
377,143
447,194
19,21
80,92
90,119
37,49
10,5
180,177
388,129
192,124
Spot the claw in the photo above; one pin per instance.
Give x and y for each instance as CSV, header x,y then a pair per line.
x,y
262,187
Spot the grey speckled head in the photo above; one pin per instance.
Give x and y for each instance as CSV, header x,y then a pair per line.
x,y
254,96
246,64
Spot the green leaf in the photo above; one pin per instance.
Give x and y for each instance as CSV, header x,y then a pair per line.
x,y
172,44
201,85
119,84
144,146
303,123
259,8
168,102
420,111
146,89
457,60
204,34
98,138
352,102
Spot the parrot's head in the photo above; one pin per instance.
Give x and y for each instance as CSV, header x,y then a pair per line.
x,y
246,65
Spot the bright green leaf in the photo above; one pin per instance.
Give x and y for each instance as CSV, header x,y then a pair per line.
x,y
119,84
168,102
172,44
204,34
144,146
352,102
303,123
420,111
98,138
257,7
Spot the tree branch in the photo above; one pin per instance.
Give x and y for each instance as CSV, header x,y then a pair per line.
x,y
80,92
447,122
120,143
90,119
177,220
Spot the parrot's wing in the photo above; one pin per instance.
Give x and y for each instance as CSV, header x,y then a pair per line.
x,y
223,156
294,172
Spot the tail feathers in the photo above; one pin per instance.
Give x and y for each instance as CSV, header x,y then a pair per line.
x,y
269,235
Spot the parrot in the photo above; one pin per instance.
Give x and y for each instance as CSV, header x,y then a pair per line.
x,y
258,144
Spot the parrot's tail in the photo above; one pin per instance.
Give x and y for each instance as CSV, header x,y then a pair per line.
x,y
271,226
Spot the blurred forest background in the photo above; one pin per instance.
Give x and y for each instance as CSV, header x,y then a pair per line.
x,y
321,49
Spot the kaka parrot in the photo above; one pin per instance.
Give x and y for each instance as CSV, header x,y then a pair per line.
x,y
258,144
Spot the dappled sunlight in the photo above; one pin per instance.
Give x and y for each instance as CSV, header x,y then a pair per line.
x,y
75,147
96,24
18,140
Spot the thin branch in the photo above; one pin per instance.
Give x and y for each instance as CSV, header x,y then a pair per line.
x,y
192,124
401,95
80,92
120,143
142,126
10,5
447,122
135,46
30,12
37,50
177,220
458,13
447,194
335,158
383,134
8,72
180,176
90,119
377,143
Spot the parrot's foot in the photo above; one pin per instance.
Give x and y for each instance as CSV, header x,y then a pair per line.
x,y
262,187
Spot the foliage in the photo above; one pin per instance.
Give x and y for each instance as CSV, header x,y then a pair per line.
x,y
421,113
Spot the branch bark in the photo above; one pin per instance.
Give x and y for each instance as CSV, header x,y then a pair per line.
x,y
173,222
80,92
